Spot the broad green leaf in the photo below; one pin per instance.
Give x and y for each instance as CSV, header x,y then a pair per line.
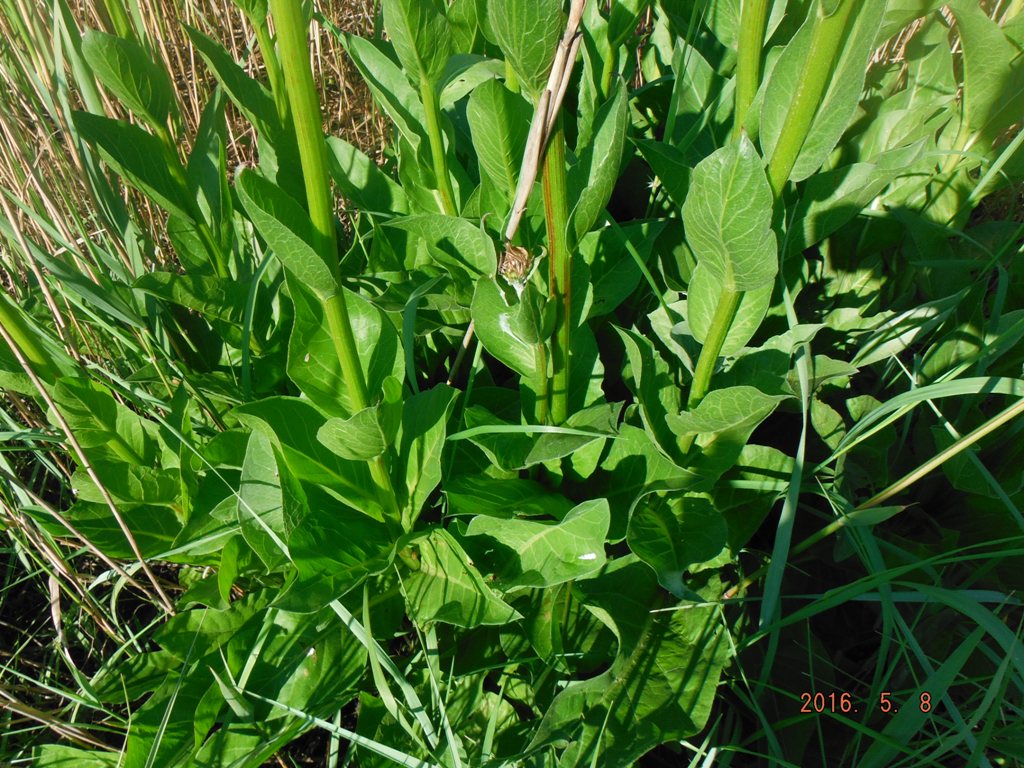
x,y
725,409
138,157
260,504
362,182
593,177
307,661
746,493
728,215
288,230
703,295
205,630
722,424
242,744
633,467
294,423
513,448
528,32
153,526
899,13
337,544
248,94
462,18
230,566
543,624
685,534
313,359
447,587
390,88
421,35
614,271
993,89
188,246
463,74
214,297
453,242
104,428
499,121
549,553
164,728
129,677
207,170
126,69
669,165
656,391
832,198
839,103
481,495
363,435
661,685
59,756
418,463
130,484
622,19
509,333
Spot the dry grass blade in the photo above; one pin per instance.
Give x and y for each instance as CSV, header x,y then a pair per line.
x,y
87,466
9,702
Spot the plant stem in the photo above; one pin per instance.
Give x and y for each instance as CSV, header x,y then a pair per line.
x,y
753,22
336,312
266,44
556,217
119,19
721,322
725,313
305,108
611,61
543,395
428,94
826,40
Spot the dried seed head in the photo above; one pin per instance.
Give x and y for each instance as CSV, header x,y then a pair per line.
x,y
516,265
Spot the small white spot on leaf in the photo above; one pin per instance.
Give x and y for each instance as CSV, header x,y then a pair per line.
x,y
588,556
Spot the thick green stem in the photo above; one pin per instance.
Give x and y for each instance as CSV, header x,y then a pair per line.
x,y
725,313
336,310
721,322
348,353
305,109
611,65
428,94
556,217
753,21
826,41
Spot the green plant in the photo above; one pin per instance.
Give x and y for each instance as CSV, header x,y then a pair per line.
x,y
767,246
